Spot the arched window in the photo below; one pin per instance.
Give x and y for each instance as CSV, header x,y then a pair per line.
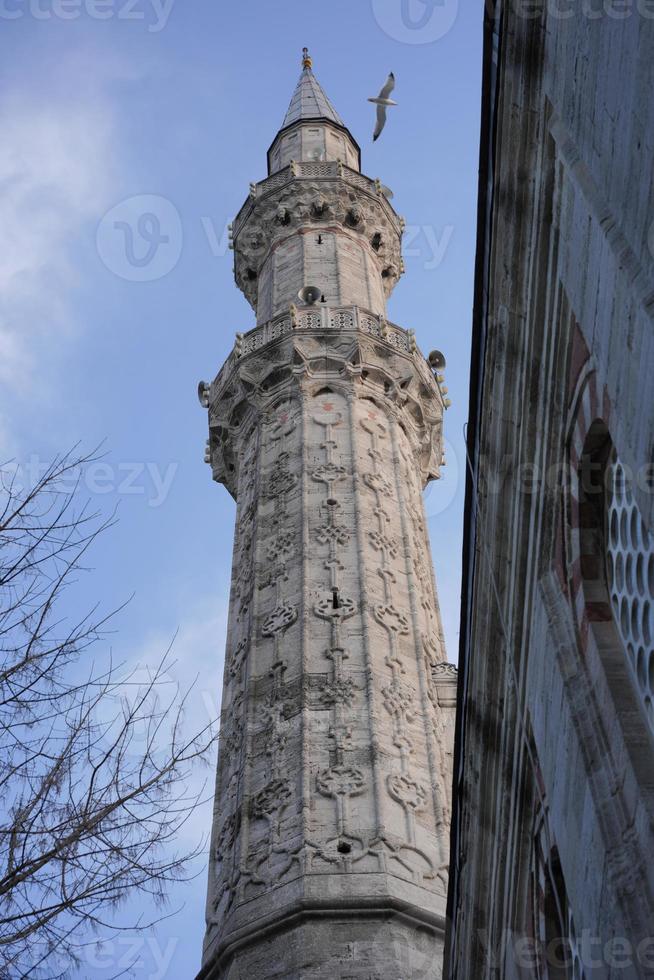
x,y
630,579
559,953
617,566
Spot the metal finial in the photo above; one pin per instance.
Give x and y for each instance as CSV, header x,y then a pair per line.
x,y
306,59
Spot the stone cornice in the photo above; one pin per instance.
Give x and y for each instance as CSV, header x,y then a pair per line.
x,y
328,170
357,908
317,203
345,348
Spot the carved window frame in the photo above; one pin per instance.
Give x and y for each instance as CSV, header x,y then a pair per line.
x,y
553,922
630,580
615,597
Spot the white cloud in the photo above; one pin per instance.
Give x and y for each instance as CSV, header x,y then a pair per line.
x,y
197,647
56,174
195,660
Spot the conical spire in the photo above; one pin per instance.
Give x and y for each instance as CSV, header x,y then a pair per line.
x,y
309,100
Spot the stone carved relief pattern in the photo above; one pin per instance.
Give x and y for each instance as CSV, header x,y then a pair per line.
x,y
251,868
264,856
434,669
430,646
342,780
303,203
404,786
223,871
268,857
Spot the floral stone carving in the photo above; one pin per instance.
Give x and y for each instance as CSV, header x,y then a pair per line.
x,y
407,791
378,483
399,700
332,532
271,798
332,609
392,619
279,619
340,781
329,473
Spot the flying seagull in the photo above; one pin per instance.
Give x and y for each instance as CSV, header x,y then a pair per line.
x,y
382,101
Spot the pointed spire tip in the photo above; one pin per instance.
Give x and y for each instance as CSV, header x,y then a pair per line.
x,y
309,99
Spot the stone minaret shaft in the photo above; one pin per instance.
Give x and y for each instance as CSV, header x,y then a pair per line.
x,y
330,839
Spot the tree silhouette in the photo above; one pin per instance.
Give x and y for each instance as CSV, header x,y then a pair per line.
x,y
94,765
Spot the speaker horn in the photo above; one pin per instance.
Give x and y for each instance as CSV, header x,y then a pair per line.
x,y
203,393
437,360
309,295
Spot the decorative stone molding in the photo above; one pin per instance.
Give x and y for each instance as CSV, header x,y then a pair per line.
x,y
248,385
271,798
408,791
392,619
279,620
315,172
307,203
325,424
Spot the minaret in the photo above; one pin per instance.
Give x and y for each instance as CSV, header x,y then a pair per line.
x,y
330,840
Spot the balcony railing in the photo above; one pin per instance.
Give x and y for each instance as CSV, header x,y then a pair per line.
x,y
325,318
312,170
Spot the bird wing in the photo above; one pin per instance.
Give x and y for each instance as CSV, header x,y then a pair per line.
x,y
388,87
381,121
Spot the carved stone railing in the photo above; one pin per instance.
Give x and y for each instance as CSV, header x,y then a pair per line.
x,y
311,170
325,318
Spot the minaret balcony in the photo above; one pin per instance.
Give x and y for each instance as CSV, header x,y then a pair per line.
x,y
326,318
315,170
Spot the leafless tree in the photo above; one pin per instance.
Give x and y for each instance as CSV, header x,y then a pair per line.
x,y
93,768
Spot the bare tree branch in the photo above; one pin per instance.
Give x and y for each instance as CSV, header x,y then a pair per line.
x,y
94,764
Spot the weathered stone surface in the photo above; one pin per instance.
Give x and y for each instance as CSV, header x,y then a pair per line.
x,y
330,843
553,834
346,240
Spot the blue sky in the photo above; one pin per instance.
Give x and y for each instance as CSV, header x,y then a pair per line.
x,y
103,101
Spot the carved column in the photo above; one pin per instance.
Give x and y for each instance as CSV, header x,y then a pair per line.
x,y
329,850
332,798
